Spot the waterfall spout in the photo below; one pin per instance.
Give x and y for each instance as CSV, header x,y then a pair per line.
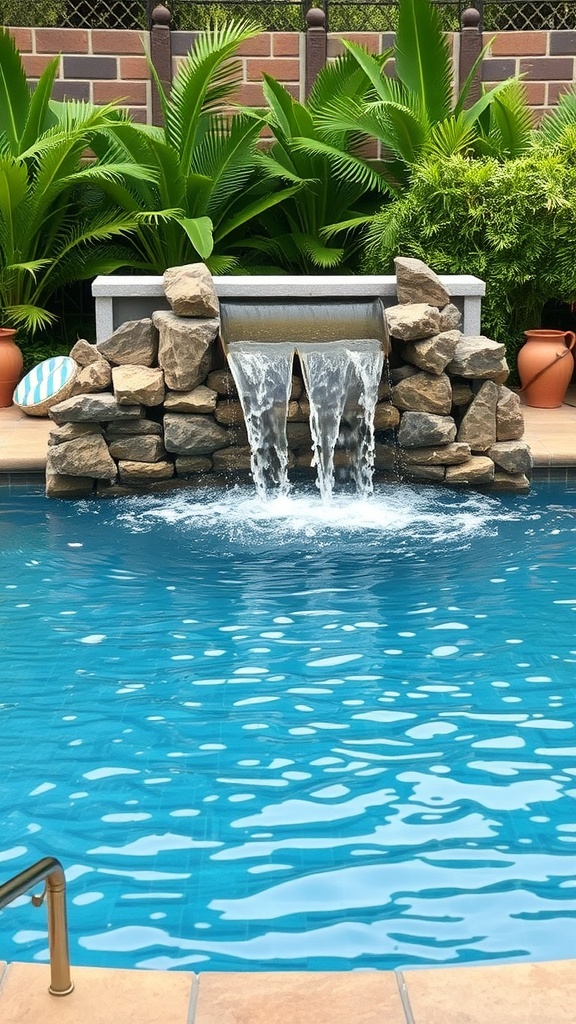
x,y
341,348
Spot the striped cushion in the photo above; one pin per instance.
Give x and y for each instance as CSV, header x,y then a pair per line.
x,y
44,382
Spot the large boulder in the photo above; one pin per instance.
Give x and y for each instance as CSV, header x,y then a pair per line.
x,y
425,430
144,448
95,376
190,291
509,416
478,426
86,453
96,408
424,392
185,350
512,456
409,321
193,435
136,341
432,354
476,471
416,282
199,400
135,384
479,358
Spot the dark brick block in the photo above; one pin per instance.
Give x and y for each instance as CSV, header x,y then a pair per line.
x,y
547,69
71,91
90,67
183,42
562,43
497,70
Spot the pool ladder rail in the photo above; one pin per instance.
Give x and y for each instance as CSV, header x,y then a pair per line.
x,y
51,870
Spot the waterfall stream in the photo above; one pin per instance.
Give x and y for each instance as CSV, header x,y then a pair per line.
x,y
340,347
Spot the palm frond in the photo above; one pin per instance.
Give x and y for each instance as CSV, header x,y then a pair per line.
x,y
204,80
422,55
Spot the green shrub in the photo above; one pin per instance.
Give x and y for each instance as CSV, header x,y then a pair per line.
x,y
47,13
511,224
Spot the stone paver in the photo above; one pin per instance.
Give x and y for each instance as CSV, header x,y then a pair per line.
x,y
542,993
299,998
99,997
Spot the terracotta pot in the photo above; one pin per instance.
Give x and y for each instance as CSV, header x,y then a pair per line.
x,y
545,367
11,363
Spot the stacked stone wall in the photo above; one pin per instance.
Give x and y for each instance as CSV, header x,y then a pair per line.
x,y
155,404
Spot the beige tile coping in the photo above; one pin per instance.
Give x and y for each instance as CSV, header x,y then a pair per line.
x,y
537,993
99,997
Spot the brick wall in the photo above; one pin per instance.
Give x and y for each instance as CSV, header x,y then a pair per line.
x,y
546,61
103,65
100,65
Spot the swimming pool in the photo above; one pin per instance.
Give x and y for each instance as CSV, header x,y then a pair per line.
x,y
280,737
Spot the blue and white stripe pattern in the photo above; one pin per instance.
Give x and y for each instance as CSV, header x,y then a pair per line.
x,y
44,381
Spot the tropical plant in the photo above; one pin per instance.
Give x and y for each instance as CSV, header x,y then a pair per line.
x,y
319,226
413,115
54,223
512,224
206,179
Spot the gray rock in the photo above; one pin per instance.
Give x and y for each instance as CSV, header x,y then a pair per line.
x,y
398,373
186,349
199,400
136,341
299,435
478,470
386,417
509,416
193,435
231,459
133,428
59,485
145,448
424,471
191,465
223,383
297,389
413,320
424,392
143,472
84,353
432,354
295,414
84,456
229,413
516,483
87,408
479,358
96,376
462,394
450,318
135,384
512,456
71,430
416,282
443,455
425,430
190,291
478,426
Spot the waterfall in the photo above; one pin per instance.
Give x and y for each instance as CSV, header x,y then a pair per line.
x,y
342,377
263,376
340,346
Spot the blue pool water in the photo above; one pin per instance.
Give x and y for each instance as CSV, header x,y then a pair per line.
x,y
277,737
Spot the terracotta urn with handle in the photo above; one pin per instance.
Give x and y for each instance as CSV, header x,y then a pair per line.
x,y
545,367
11,364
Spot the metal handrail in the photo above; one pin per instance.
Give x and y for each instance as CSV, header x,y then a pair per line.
x,y
55,891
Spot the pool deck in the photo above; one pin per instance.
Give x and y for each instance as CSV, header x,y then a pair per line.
x,y
522,993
